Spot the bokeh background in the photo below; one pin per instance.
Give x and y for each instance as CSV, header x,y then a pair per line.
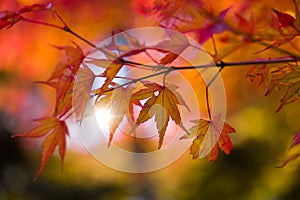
x,y
249,172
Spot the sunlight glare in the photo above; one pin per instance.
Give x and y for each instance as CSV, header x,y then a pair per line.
x,y
103,117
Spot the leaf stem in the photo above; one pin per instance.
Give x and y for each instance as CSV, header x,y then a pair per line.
x,y
60,18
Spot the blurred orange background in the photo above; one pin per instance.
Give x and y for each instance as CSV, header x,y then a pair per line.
x,y
27,55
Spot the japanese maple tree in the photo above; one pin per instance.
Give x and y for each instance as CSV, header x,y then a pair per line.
x,y
221,31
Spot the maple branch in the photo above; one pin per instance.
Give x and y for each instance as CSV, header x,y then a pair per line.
x,y
64,28
68,29
221,64
241,63
216,75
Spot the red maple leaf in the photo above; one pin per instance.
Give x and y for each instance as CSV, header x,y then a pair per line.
x,y
9,18
284,19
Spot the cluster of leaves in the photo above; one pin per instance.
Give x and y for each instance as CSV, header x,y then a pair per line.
x,y
73,79
197,18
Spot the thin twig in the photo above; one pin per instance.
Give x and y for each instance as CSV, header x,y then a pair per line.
x,y
42,23
67,29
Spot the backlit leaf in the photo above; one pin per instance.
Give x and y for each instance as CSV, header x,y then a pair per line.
x,y
161,103
208,136
55,132
63,77
284,19
215,27
110,72
82,89
121,106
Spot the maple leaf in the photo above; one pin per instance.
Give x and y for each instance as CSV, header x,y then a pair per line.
x,y
291,95
246,26
217,26
63,77
9,18
55,132
261,72
123,42
286,76
170,13
121,104
102,63
110,72
284,19
175,45
169,58
209,135
65,105
162,103
70,63
288,28
82,89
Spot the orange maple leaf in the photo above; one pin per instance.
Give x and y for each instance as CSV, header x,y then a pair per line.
x,y
82,89
161,102
209,135
55,132
110,72
121,104
63,77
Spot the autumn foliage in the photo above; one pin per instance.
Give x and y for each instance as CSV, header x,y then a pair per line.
x,y
221,31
